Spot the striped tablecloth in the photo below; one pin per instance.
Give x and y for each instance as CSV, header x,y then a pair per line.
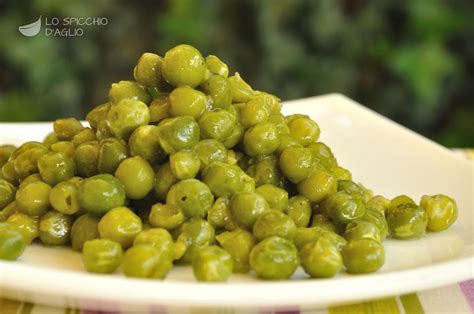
x,y
458,298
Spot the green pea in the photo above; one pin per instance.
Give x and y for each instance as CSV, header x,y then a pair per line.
x,y
145,261
321,258
26,163
185,164
97,114
12,243
261,139
379,203
216,66
33,199
159,238
184,65
147,72
225,180
238,243
83,229
400,200
299,209
56,167
318,186
274,258
86,135
178,133
48,140
101,256
127,115
137,176
212,263
159,109
264,170
54,228
323,154
344,208
240,90
276,197
112,152
323,221
297,163
192,235
65,129
192,196
442,211
378,219
100,193
246,207
8,172
164,179
27,225
121,225
407,221
186,101
7,150
362,256
217,124
86,158
31,178
235,137
253,112
128,90
218,88
7,211
274,223
210,150
7,193
64,197
166,216
65,147
219,213
362,229
304,130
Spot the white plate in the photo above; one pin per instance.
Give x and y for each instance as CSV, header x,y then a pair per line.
x,y
383,155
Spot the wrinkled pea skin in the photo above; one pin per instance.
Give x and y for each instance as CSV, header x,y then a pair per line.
x,y
274,223
238,243
441,210
344,208
240,90
362,256
128,90
274,258
378,219
7,211
341,173
100,193
323,154
27,225
209,151
83,229
111,153
159,238
178,133
407,221
165,216
253,112
217,124
225,180
137,176
7,193
56,167
121,225
379,203
127,115
192,196
159,109
65,129
101,256
12,242
145,261
400,200
192,235
321,258
26,163
361,229
66,147
350,187
97,114
219,213
213,264
216,66
218,88
55,228
304,130
6,151
86,135
265,170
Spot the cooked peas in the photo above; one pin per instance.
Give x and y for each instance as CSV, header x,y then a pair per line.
x,y
216,66
159,238
65,129
274,223
55,228
186,101
246,207
178,133
407,221
113,151
442,211
318,186
321,258
12,242
147,71
238,243
185,164
121,225
84,228
33,198
27,225
299,209
217,124
276,197
363,256
218,89
101,256
193,235
86,157
225,180
184,65
128,90
165,216
344,208
145,261
127,115
261,139
100,193
192,196
137,176
297,163
7,193
212,263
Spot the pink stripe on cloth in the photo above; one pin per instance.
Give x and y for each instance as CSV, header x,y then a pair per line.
x,y
467,288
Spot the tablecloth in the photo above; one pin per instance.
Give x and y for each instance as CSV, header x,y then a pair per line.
x,y
457,298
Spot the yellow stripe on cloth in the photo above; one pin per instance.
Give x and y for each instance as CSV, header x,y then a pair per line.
x,y
9,306
385,306
411,304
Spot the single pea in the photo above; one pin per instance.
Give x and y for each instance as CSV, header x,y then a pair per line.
x,y
321,258
159,109
274,223
159,238
54,228
33,198
128,90
165,216
145,261
219,213
86,135
306,235
137,176
240,90
344,208
12,242
261,139
97,114
442,211
185,164
184,65
218,89
407,221
83,229
65,129
186,101
276,197
26,163
323,154
64,198
278,119
351,188
217,124
178,133
362,229
212,263
296,163
191,236
8,172
100,193
378,219
103,130
265,171
86,158
192,196
238,243
65,147
318,186
286,141
164,179
27,225
112,152
379,203
362,256
246,207
7,150
323,221
274,258
400,200
147,72
304,130
210,150
120,224
127,115
31,178
48,140
253,112
225,180
56,167
101,256
299,209
7,193
235,137
216,66
7,211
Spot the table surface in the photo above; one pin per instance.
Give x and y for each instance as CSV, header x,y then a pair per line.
x,y
458,298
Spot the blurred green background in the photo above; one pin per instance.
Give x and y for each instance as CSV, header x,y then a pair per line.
x,y
412,61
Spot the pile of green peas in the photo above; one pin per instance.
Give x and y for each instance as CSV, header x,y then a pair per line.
x,y
188,165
